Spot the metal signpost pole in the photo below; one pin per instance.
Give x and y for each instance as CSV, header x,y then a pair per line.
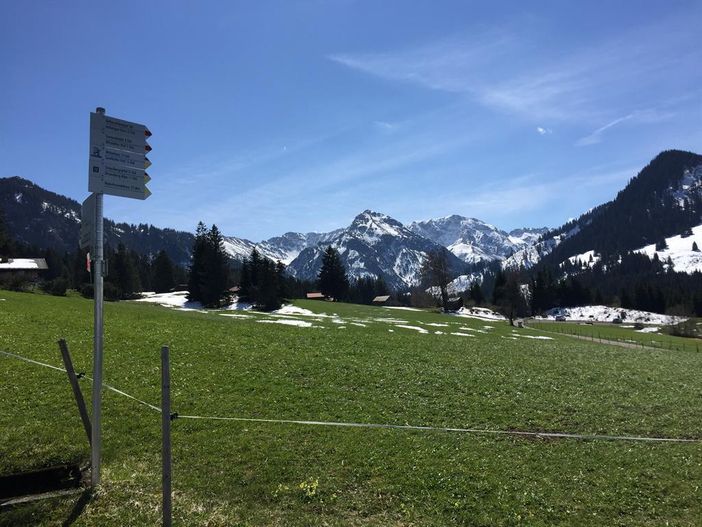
x,y
98,335
97,340
166,436
117,166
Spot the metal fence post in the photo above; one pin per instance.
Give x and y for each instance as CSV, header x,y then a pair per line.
x,y
166,435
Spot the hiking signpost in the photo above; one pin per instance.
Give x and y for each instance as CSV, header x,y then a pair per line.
x,y
117,166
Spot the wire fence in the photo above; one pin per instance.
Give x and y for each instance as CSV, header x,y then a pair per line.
x,y
589,332
405,427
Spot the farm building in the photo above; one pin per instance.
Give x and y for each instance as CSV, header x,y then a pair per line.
x,y
381,300
28,268
316,296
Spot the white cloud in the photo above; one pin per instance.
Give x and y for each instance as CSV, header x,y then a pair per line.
x,y
639,116
543,131
505,69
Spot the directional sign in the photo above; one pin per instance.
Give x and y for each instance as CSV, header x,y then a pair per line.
x,y
129,159
123,187
120,135
87,223
118,157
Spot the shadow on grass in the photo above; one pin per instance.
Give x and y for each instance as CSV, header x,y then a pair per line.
x,y
78,507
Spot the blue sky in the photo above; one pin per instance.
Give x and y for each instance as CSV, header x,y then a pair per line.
x,y
276,116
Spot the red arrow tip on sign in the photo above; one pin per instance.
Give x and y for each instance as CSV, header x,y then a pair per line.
x,y
147,132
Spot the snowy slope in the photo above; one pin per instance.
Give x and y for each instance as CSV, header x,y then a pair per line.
x,y
679,250
530,255
473,240
283,248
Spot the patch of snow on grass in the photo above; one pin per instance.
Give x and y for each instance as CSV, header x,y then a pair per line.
x,y
289,309
436,324
391,320
481,313
233,315
416,328
288,322
403,308
459,334
650,329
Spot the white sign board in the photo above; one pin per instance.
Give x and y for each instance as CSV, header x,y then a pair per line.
x,y
118,157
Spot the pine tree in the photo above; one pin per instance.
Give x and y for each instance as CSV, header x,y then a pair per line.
x,y
6,248
214,281
695,247
123,273
163,274
476,294
197,267
333,281
207,282
262,282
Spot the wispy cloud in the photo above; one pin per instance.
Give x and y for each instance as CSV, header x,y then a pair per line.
x,y
498,69
543,131
641,116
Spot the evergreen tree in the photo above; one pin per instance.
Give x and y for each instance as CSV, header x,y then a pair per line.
x,y
333,281
207,282
695,247
214,283
262,282
196,273
6,248
476,294
123,272
163,279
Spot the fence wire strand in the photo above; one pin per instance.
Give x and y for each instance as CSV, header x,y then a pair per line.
x,y
477,431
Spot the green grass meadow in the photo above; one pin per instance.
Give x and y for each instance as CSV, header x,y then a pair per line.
x,y
351,364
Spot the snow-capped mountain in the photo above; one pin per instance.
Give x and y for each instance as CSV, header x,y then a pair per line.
x,y
283,248
473,240
374,245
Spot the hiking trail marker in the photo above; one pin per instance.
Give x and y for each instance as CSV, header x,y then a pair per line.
x,y
117,166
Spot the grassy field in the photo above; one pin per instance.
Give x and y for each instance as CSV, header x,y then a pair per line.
x,y
621,333
353,364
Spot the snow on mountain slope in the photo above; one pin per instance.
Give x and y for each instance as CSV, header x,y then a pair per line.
x,y
473,240
586,259
237,248
690,184
463,282
283,248
530,255
526,236
679,250
374,245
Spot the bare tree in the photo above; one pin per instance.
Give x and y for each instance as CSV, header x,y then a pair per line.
x,y
436,273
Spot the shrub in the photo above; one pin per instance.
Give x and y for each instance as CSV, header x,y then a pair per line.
x,y
56,287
